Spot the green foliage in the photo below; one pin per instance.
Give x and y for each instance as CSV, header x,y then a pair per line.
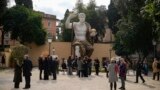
x,y
96,18
26,3
151,12
25,25
113,17
135,27
67,33
18,53
3,4
124,39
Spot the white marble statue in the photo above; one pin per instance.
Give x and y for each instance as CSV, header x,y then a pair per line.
x,y
82,31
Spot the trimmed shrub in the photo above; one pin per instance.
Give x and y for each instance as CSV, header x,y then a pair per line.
x,y
17,52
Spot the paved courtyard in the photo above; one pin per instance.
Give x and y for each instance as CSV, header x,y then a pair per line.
x,y
65,82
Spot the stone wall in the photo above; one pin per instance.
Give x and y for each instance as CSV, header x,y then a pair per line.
x,y
63,50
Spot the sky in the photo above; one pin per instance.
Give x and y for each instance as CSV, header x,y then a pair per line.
x,y
58,7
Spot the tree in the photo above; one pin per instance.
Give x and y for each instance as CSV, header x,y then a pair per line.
x,y
67,33
134,33
79,7
26,3
3,4
25,25
97,18
151,12
3,8
113,17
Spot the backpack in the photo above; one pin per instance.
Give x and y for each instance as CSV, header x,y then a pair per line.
x,y
158,65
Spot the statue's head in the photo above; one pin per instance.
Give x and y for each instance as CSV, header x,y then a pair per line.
x,y
81,17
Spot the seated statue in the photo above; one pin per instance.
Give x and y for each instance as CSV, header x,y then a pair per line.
x,y
82,34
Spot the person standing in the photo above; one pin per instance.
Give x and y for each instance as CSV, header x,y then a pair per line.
x,y
69,64
139,72
54,65
96,65
17,74
145,67
105,65
27,68
122,73
3,60
46,68
79,66
155,69
63,65
112,68
40,66
89,66
57,65
85,66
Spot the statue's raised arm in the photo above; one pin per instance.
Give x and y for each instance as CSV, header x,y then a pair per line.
x,y
68,24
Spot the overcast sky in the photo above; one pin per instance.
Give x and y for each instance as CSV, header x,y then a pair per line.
x,y
58,7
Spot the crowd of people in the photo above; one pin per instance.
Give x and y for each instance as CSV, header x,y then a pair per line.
x,y
83,66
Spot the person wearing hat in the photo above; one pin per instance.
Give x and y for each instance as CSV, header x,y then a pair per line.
x,y
113,70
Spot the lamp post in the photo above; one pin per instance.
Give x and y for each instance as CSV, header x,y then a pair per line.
x,y
49,43
110,53
154,44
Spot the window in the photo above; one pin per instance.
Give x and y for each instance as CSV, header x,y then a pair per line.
x,y
49,24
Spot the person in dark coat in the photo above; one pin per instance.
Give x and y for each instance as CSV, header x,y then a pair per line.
x,y
57,65
139,72
46,68
122,73
40,66
17,74
27,68
3,60
89,66
63,65
69,65
49,58
54,65
96,64
85,67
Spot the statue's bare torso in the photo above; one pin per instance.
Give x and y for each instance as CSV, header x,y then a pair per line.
x,y
80,31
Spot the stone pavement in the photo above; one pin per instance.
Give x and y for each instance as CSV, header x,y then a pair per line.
x,y
65,82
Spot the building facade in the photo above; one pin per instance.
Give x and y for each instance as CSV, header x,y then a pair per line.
x,y
49,23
